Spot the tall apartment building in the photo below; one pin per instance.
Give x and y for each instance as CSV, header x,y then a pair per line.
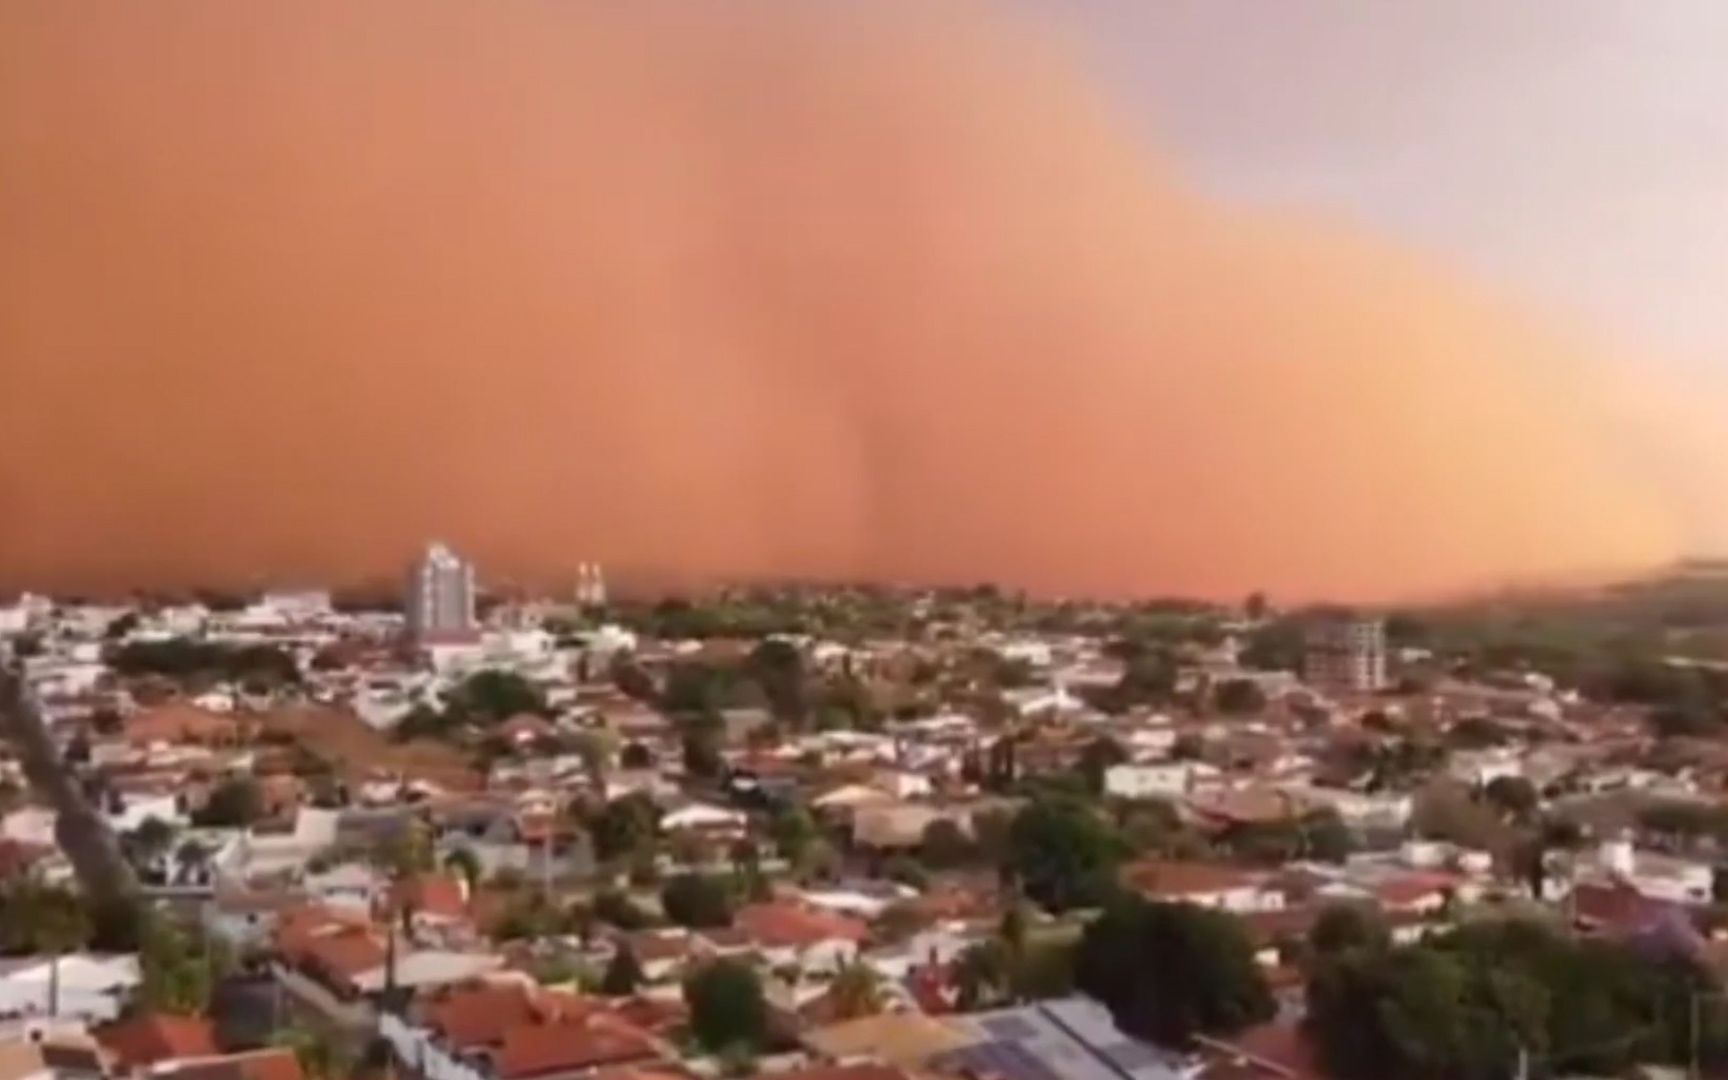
x,y
440,598
1346,655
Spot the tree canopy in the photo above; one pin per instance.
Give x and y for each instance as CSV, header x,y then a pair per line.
x,y
698,901
1239,697
189,659
36,917
623,975
1168,972
1470,1005
234,803
727,1007
624,826
490,696
1063,854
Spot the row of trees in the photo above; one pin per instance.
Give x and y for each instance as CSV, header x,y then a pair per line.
x,y
1064,852
1492,999
180,966
481,701
187,660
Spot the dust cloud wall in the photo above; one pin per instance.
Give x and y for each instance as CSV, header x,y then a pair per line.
x,y
724,290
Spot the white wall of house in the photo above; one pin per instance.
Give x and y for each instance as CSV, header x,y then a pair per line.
x,y
91,988
1157,781
420,1050
137,809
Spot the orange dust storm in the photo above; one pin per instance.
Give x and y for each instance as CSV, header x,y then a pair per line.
x,y
723,291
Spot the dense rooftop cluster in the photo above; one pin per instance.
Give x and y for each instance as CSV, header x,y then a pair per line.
x,y
862,834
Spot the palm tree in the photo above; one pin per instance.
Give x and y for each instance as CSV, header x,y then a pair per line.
x,y
856,991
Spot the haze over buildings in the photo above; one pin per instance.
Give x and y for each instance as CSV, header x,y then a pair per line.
x,y
810,290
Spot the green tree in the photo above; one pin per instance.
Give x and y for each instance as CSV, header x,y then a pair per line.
x,y
701,751
778,668
38,918
1149,825
697,901
623,975
1275,646
727,1006
945,845
906,871
856,990
624,826
487,697
1515,796
317,1055
1043,971
150,841
1148,678
1469,1004
1097,758
1239,697
466,865
617,909
1189,746
793,832
984,975
1347,926
1063,854
234,803
180,967
1325,837
1205,979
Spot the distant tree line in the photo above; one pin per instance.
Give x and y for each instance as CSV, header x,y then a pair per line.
x,y
185,659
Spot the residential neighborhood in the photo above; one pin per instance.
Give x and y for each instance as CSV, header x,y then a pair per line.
x,y
847,833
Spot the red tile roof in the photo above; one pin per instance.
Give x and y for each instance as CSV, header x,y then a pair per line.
x,y
480,1015
434,895
1616,908
1156,877
149,1038
548,1049
1276,1050
179,722
252,1065
779,925
1407,889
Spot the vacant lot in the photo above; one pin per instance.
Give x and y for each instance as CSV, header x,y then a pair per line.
x,y
357,751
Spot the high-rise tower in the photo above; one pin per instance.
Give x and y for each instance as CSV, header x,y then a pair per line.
x,y
440,598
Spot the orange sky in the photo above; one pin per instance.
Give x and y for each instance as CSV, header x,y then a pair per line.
x,y
288,290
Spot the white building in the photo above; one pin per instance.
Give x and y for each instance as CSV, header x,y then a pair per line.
x,y
1346,656
440,596
1164,780
90,988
